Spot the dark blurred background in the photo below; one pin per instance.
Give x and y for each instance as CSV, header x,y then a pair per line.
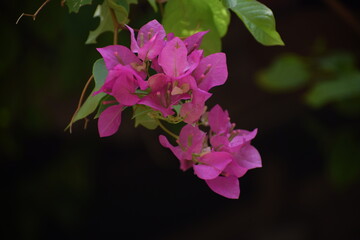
x,y
57,185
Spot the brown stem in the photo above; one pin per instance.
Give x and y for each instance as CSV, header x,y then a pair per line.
x,y
343,12
161,7
86,122
80,102
33,15
116,25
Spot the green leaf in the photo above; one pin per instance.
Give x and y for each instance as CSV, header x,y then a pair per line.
x,y
288,72
338,63
258,19
75,5
92,102
142,117
221,16
102,11
100,72
119,5
186,17
153,5
343,87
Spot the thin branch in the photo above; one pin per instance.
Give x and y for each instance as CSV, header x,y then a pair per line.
x,y
167,130
80,102
33,15
86,123
343,12
161,7
116,25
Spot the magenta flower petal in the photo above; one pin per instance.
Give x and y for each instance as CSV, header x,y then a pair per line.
x,y
191,140
122,82
206,172
192,111
219,120
152,101
117,54
170,36
184,163
219,142
225,186
212,71
248,136
148,31
155,65
109,120
124,90
193,61
248,157
159,98
173,58
152,48
242,138
194,41
235,170
212,164
134,45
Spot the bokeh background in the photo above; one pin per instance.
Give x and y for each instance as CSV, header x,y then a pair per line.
x,y
57,185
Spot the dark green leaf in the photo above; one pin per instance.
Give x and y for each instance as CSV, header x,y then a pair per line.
x,y
106,23
258,19
338,63
142,117
75,5
344,87
288,72
186,17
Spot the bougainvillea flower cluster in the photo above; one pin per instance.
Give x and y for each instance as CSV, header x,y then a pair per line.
x,y
170,78
220,157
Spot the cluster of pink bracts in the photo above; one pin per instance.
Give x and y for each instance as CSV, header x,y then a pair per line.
x,y
183,78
